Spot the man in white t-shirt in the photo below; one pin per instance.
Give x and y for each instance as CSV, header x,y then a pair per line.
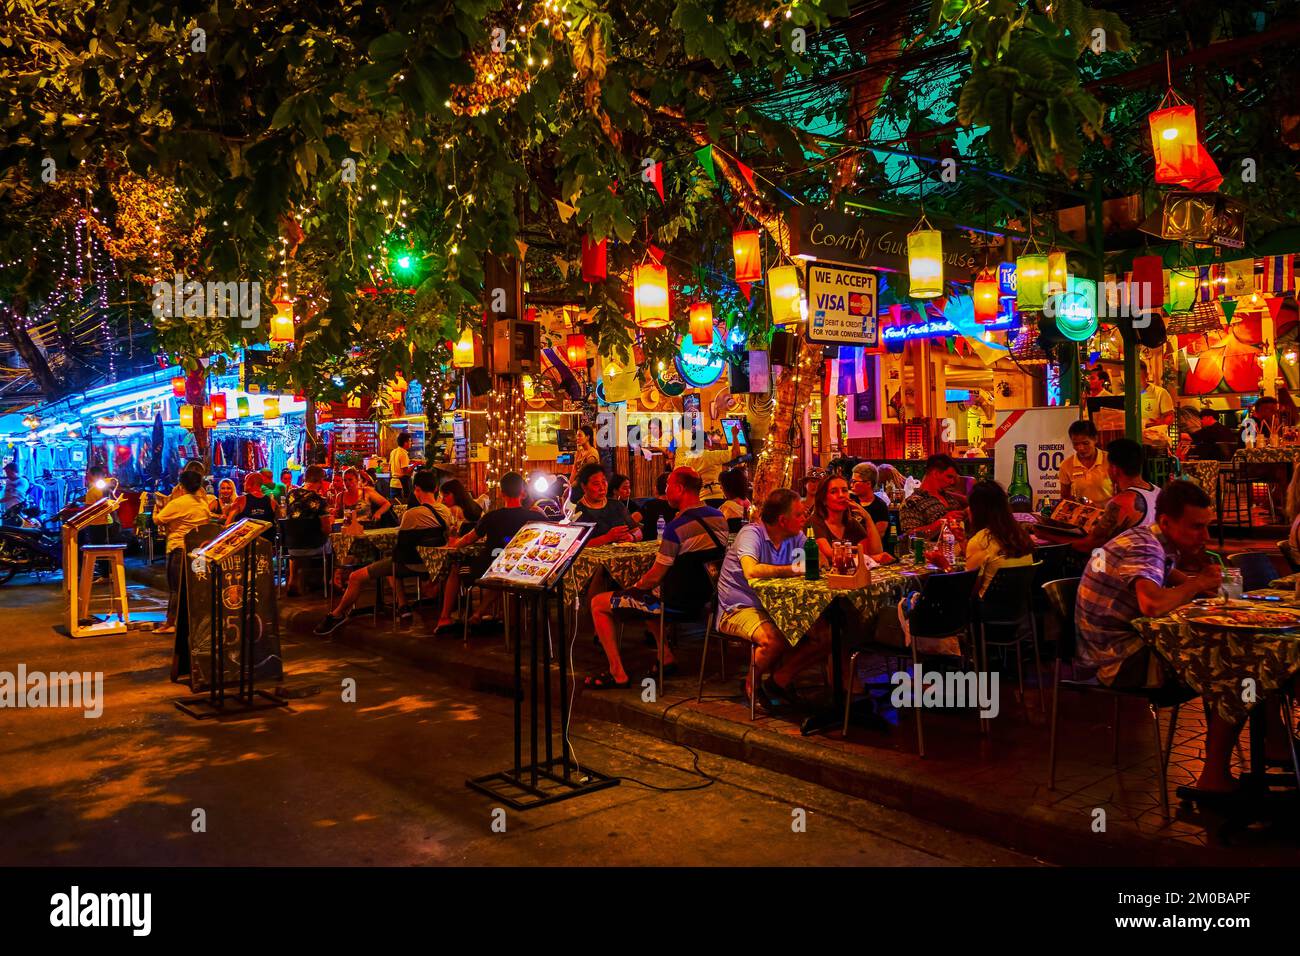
x,y
1157,412
399,468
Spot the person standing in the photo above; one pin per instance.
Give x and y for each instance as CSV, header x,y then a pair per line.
x,y
585,453
1132,505
1085,475
399,468
1157,412
180,516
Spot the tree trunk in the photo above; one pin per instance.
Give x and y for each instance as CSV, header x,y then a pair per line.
x,y
28,349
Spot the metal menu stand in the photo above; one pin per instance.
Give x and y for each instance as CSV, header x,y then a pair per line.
x,y
231,558
546,778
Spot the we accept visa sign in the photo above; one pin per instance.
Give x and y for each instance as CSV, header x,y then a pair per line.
x,y
842,305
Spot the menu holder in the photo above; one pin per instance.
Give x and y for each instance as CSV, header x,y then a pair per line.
x,y
77,591
537,555
229,542
1073,517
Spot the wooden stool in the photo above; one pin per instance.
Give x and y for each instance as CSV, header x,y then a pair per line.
x,y
115,555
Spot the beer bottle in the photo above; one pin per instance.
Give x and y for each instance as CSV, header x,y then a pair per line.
x,y
1019,491
810,569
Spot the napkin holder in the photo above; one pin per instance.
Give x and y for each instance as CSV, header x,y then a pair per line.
x,y
860,577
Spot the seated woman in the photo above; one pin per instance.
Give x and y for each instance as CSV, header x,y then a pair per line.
x,y
465,511
997,539
833,521
620,489
225,501
254,503
368,504
736,506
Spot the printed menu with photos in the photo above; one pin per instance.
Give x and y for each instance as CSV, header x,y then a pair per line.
x,y
538,553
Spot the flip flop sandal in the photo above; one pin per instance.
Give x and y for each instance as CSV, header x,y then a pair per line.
x,y
605,681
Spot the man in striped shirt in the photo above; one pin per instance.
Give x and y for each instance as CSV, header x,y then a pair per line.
x,y
696,528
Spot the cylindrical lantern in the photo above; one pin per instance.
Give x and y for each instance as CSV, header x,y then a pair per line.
x,y
925,263
701,323
593,260
1174,142
1031,281
650,295
282,320
219,406
1182,290
178,386
270,409
1147,291
986,296
462,355
784,297
1058,273
187,416
209,419
575,349
746,247
241,408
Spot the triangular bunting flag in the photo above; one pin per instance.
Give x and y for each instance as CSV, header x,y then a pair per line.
x,y
522,247
656,254
1229,306
745,289
704,156
1192,361
565,210
747,173
657,177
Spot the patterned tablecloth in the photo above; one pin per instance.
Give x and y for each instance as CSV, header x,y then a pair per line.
x,y
1204,474
1217,663
795,604
438,561
365,548
624,562
1268,453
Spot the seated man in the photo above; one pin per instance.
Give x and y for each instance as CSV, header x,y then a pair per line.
x,y
307,501
936,500
429,514
494,529
1214,441
697,527
656,508
767,548
1134,576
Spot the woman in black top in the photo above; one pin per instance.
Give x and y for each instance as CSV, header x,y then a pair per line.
x,y
255,505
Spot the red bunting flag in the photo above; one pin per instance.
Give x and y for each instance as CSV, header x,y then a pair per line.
x,y
593,260
748,173
657,177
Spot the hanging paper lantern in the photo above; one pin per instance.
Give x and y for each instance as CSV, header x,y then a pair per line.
x,y
784,296
1182,290
282,320
1174,142
1058,273
209,419
241,408
187,416
462,355
1147,291
219,406
986,295
650,295
701,323
593,260
1031,281
178,386
925,263
530,390
746,247
575,349
270,409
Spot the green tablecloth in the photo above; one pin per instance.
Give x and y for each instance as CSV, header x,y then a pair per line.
x,y
795,604
624,562
438,561
1268,453
365,548
1204,474
1216,663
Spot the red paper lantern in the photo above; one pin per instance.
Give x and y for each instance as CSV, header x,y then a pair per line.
x,y
1147,285
178,386
576,349
593,260
702,323
218,401
745,245
985,294
1174,142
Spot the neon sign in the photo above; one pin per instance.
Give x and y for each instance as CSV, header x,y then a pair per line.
x,y
941,328
700,365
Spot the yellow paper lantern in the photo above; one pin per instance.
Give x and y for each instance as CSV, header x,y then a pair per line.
x,y
784,295
209,417
1031,276
701,323
462,355
986,296
925,263
270,409
1058,273
650,295
282,320
187,416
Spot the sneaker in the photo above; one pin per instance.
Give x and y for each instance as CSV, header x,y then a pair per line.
x,y
328,626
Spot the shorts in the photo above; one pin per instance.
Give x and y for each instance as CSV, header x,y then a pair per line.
x,y
744,622
635,599
1143,669
383,568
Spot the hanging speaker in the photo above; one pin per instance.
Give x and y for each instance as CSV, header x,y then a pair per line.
x,y
784,349
480,381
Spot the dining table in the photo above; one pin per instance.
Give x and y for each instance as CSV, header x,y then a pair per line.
x,y
440,560
624,562
365,548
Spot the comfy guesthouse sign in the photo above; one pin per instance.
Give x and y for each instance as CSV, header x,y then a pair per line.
x,y
831,236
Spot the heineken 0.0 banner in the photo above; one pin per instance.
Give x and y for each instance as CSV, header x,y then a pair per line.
x,y
1043,433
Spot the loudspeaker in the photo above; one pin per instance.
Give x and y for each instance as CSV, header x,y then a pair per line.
x,y
480,381
784,350
514,348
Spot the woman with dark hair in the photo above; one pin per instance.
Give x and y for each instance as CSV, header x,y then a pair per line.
x,y
464,509
997,539
735,486
254,504
833,520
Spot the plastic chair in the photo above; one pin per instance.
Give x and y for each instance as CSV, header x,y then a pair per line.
x,y
942,610
1006,606
1258,569
1062,596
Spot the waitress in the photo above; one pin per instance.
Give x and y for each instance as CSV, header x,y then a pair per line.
x,y
1085,475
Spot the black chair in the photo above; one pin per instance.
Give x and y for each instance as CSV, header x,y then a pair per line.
x,y
734,525
1003,611
1238,475
943,610
407,564
303,539
686,594
1062,595
1258,569
1289,555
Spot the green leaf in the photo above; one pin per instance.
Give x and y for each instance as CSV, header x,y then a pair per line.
x,y
389,46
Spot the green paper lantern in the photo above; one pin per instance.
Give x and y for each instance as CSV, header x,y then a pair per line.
x,y
1182,290
1031,275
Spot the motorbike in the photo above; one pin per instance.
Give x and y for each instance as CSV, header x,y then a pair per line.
x,y
28,546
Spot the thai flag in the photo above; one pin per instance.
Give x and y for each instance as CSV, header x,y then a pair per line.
x,y
850,371
1278,277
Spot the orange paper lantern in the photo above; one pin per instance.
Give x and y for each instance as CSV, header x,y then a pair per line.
x,y
209,418
282,320
576,349
219,406
178,386
1174,142
985,294
650,295
745,245
702,323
